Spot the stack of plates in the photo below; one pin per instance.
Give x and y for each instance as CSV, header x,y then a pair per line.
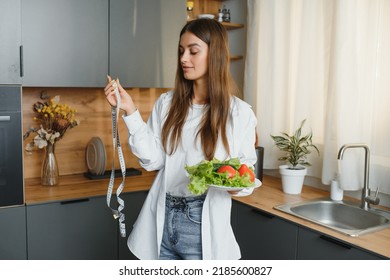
x,y
95,156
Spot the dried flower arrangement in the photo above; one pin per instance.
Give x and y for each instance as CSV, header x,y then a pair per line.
x,y
54,120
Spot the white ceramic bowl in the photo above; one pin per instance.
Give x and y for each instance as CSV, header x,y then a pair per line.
x,y
211,16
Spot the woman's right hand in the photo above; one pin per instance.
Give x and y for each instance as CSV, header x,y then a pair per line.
x,y
127,103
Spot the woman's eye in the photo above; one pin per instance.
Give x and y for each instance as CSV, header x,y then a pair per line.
x,y
182,52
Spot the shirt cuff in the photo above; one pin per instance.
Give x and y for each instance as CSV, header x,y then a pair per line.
x,y
133,121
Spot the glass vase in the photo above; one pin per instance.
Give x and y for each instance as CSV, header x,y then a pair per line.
x,y
49,172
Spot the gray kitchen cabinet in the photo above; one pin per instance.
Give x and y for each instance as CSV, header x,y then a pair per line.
x,y
65,43
72,230
10,41
133,204
13,233
313,245
144,39
263,236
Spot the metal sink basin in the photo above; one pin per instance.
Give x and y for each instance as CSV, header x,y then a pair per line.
x,y
343,217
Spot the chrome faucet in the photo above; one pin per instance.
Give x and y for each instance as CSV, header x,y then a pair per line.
x,y
367,199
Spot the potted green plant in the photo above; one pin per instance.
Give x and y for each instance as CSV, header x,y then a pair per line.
x,y
296,148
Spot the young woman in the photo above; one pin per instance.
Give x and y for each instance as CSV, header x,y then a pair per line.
x,y
200,119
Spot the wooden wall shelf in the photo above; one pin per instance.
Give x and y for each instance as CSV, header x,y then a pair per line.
x,y
231,25
236,57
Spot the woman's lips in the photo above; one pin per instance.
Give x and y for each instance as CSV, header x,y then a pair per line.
x,y
186,68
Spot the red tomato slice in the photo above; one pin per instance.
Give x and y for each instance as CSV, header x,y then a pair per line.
x,y
245,169
227,169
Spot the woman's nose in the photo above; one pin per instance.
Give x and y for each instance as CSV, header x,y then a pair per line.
x,y
184,57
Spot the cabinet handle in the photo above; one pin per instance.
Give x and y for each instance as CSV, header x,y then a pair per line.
x,y
262,213
5,118
21,61
74,201
335,241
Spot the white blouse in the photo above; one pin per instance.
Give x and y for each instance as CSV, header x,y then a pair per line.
x,y
187,152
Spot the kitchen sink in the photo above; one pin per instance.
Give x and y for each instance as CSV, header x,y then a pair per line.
x,y
341,216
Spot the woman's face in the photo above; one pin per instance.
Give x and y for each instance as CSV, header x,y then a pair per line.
x,y
193,56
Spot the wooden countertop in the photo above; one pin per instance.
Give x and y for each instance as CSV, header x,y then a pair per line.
x,y
264,198
78,186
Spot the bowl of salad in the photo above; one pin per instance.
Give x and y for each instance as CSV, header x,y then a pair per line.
x,y
228,175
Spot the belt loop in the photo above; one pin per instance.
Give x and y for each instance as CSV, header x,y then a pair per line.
x,y
183,200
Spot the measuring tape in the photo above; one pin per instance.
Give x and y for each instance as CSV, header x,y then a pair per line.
x,y
117,145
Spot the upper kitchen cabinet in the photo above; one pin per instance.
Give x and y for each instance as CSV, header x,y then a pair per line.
x,y
143,41
10,41
65,42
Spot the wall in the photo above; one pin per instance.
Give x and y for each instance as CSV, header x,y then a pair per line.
x,y
237,39
94,114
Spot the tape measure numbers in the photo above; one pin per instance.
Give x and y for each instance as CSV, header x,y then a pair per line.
x,y
117,213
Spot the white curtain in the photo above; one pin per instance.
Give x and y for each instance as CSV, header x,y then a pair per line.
x,y
326,61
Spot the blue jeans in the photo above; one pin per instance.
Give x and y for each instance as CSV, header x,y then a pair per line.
x,y
182,236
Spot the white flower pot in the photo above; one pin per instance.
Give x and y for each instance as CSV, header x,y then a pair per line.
x,y
292,179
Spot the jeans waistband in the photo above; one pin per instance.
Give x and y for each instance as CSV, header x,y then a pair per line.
x,y
184,200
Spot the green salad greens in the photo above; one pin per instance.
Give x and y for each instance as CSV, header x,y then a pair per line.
x,y
205,173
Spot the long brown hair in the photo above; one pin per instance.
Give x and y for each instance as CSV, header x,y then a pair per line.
x,y
220,89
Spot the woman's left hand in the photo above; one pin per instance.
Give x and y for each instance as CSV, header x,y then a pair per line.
x,y
233,192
